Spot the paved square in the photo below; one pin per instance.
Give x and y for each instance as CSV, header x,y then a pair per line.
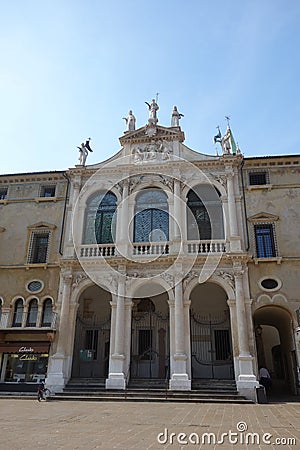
x,y
27,424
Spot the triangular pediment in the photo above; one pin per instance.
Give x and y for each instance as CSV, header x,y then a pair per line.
x,y
156,132
263,216
42,225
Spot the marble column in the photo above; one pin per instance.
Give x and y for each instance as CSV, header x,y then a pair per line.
x,y
57,376
235,243
69,247
177,211
179,379
246,380
187,335
116,376
123,225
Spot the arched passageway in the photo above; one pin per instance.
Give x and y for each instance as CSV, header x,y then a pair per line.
x,y
211,343
150,334
275,347
92,334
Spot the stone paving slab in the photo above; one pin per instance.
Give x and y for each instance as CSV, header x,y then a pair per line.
x,y
28,424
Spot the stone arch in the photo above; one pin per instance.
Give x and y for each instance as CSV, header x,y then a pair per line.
x,y
32,297
152,185
92,331
228,288
15,298
95,188
79,288
212,347
137,283
150,330
209,181
275,344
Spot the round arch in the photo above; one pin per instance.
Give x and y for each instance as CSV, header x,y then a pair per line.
x,y
15,298
275,345
92,332
214,279
219,187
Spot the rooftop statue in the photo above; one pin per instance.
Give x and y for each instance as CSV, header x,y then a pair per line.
x,y
153,108
130,121
176,116
84,150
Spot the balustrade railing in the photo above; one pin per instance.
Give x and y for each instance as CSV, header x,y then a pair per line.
x,y
204,247
6,321
95,250
153,248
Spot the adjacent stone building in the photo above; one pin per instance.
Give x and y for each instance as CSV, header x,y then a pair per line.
x,y
160,263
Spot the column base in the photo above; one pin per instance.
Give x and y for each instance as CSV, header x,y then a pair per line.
x,y
56,379
246,386
116,381
180,382
235,244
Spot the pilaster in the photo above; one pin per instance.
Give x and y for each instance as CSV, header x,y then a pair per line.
x,y
179,379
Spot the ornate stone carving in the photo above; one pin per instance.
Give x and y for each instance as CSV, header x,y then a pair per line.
x,y
189,277
78,278
228,277
155,151
169,278
219,178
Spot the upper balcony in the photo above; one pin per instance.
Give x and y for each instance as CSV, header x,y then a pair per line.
x,y
94,251
7,322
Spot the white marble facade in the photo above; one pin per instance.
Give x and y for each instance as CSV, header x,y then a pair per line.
x,y
174,274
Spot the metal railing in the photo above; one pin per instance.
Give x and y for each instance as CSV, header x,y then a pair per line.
x,y
6,321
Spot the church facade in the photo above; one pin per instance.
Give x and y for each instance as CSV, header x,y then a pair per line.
x,y
159,264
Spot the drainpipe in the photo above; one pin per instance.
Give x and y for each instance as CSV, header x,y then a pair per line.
x,y
64,213
245,207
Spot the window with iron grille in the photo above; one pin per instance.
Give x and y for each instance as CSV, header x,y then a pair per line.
x,y
151,220
47,191
258,178
38,248
3,193
222,344
91,341
145,344
265,240
100,219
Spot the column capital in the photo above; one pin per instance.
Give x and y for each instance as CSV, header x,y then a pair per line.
x,y
67,276
238,273
231,303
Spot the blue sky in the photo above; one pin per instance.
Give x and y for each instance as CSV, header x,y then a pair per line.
x,y
72,69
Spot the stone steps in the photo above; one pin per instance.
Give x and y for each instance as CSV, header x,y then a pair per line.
x,y
156,395
154,390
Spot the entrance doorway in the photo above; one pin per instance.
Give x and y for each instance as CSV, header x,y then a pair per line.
x,y
211,343
150,338
275,347
92,335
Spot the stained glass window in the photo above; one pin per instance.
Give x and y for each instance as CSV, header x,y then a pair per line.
x,y
151,221
100,219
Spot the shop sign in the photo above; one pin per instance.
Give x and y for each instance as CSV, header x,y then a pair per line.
x,y
26,350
